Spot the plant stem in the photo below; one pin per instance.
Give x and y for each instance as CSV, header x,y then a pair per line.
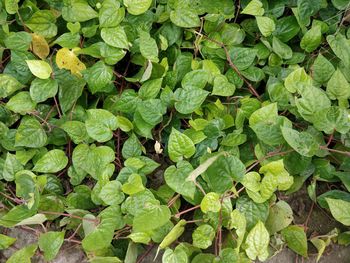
x,y
69,215
186,211
335,151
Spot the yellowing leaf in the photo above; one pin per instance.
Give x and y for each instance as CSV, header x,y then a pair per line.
x,y
40,46
66,59
39,68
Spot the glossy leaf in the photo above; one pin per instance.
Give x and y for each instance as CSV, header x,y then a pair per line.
x,y
257,242
100,124
180,146
203,236
296,239
50,243
52,162
340,210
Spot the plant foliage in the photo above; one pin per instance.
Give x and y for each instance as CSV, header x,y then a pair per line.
x,y
125,123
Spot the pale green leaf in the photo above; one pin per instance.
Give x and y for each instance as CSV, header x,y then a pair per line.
x,y
254,8
180,146
266,25
340,210
52,162
39,68
257,242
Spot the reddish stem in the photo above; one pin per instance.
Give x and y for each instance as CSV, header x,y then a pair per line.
x,y
186,211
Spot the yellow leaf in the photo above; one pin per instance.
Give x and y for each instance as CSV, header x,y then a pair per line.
x,y
40,46
66,59
39,68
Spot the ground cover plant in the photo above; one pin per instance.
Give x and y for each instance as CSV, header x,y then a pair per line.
x,y
177,125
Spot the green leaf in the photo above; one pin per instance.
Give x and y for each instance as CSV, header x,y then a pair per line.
x,y
8,85
297,81
21,103
312,101
151,111
242,57
276,177
266,25
52,162
190,99
266,123
238,222
100,124
111,193
203,236
222,87
93,160
16,215
344,238
132,147
307,8
322,69
174,256
42,89
338,88
6,241
151,217
11,166
148,47
76,131
287,27
18,41
254,8
195,79
228,168
332,119
211,203
180,146
115,36
281,49
39,68
101,237
312,39
252,211
340,210
340,4
296,239
110,14
30,134
23,255
257,242
50,243
11,6
98,77
175,177
78,11
185,17
150,89
134,185
280,216
70,90
137,7
140,237
43,22
124,124
302,142
320,245
340,47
